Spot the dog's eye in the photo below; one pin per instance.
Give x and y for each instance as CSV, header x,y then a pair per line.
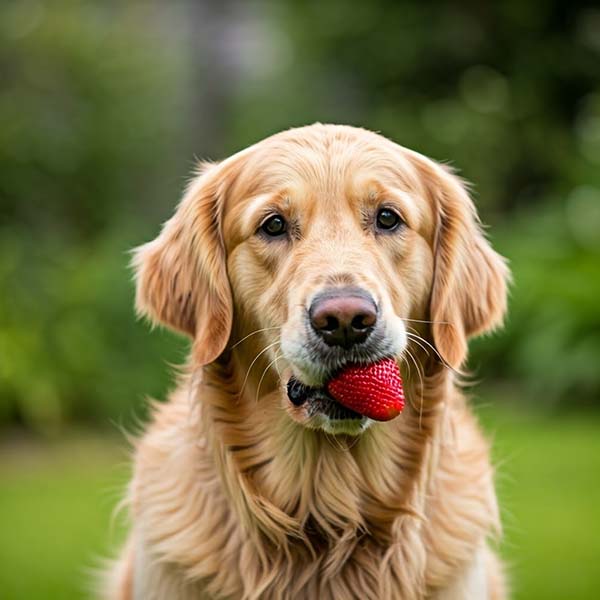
x,y
274,226
387,219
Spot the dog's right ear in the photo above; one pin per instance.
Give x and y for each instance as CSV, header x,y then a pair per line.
x,y
181,276
470,280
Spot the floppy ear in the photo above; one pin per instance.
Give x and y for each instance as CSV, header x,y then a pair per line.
x,y
470,278
181,276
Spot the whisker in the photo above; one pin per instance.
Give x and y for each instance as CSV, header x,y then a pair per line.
x,y
421,386
407,366
425,321
432,347
415,339
278,357
416,331
253,333
252,364
277,366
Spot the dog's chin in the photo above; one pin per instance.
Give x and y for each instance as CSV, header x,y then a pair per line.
x,y
353,427
315,409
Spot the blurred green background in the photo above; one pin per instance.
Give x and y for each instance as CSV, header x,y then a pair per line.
x,y
104,109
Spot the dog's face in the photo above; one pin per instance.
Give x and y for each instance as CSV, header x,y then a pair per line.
x,y
331,245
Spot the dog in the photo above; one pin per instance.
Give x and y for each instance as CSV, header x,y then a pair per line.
x,y
317,248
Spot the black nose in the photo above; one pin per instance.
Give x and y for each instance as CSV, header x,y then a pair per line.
x,y
343,316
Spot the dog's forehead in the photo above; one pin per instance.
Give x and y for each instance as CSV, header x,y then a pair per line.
x,y
327,164
322,172
332,169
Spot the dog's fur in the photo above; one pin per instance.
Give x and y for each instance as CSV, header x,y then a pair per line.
x,y
236,493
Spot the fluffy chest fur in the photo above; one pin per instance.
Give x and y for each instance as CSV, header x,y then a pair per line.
x,y
241,504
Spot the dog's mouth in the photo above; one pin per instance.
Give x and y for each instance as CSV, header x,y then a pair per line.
x,y
318,401
357,391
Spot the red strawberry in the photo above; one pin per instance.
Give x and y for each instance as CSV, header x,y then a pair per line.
x,y
374,390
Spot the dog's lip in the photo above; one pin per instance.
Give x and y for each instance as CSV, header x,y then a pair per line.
x,y
319,399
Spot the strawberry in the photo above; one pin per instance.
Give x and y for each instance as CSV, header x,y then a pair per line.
x,y
374,390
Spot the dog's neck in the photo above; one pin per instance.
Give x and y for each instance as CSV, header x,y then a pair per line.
x,y
256,506
302,491
333,517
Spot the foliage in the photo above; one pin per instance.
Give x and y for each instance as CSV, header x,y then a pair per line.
x,y
102,106
85,117
86,129
72,347
551,342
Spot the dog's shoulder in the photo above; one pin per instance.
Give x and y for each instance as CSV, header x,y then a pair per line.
x,y
462,509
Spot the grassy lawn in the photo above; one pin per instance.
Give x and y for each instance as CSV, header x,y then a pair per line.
x,y
56,502
549,487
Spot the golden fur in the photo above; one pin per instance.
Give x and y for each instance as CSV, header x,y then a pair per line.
x,y
236,493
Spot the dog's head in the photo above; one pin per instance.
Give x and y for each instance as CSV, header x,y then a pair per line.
x,y
330,245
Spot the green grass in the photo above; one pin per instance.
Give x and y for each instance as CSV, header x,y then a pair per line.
x,y
548,476
56,502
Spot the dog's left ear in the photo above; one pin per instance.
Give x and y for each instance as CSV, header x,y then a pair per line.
x,y
470,279
181,276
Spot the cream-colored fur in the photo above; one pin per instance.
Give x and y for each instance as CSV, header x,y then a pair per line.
x,y
238,494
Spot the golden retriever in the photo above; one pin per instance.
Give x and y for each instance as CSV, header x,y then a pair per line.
x,y
237,491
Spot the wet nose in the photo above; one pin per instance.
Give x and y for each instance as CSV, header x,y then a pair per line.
x,y
343,316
